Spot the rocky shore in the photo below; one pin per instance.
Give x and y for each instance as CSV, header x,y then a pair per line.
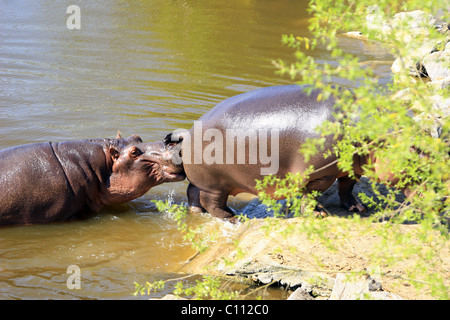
x,y
306,267
427,58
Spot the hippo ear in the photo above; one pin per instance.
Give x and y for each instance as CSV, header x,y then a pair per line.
x,y
167,139
134,139
172,139
114,153
119,135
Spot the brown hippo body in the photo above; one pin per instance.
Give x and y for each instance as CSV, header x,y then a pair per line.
x,y
45,182
289,116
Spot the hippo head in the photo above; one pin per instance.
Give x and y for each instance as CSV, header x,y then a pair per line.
x,y
136,167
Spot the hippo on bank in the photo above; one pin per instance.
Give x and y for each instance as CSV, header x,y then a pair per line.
x,y
45,182
254,134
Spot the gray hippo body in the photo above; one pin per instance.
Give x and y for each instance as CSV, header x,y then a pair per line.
x,y
46,182
288,116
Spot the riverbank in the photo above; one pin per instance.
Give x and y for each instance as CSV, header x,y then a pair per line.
x,y
308,266
295,261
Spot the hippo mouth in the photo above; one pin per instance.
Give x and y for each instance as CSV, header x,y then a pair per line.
x,y
173,173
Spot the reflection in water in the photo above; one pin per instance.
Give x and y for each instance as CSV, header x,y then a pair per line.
x,y
144,67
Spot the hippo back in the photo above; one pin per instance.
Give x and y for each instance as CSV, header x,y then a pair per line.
x,y
285,116
286,108
26,188
44,182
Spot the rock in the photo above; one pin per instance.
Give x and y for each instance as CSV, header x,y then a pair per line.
x,y
437,65
344,289
263,278
410,64
438,116
355,34
360,288
376,21
413,61
443,27
256,210
314,283
413,30
439,84
383,295
264,270
404,95
373,284
416,22
431,121
441,104
300,294
404,26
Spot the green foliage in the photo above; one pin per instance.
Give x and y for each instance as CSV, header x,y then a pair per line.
x,y
197,236
148,287
410,158
208,288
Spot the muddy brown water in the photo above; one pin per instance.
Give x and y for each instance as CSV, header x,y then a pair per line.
x,y
141,67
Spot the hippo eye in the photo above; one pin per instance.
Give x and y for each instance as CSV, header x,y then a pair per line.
x,y
135,152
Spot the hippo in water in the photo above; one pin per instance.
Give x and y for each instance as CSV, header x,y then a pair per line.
x,y
248,136
45,182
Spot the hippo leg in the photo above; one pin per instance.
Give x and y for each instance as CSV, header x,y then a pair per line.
x,y
214,203
348,201
193,194
319,184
